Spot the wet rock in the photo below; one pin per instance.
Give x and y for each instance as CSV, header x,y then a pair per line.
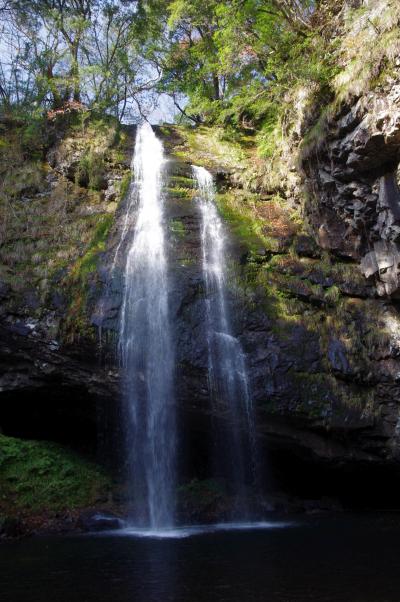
x,y
4,290
20,328
99,521
383,262
305,246
337,357
107,310
32,300
355,184
10,527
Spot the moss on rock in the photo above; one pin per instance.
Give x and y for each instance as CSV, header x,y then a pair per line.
x,y
56,215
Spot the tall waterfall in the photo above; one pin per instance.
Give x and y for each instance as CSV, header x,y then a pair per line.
x,y
145,345
226,362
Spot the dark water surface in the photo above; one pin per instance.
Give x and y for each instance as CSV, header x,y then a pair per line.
x,y
346,559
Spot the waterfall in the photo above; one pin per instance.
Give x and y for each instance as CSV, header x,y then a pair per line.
x,y
228,380
145,344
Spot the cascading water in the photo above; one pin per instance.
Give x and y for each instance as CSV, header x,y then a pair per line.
x,y
145,345
226,362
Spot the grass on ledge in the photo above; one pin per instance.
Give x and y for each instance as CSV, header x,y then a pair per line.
x,y
40,476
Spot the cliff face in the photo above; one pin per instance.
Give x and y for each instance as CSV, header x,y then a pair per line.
x,y
314,283
355,180
320,341
345,380
58,201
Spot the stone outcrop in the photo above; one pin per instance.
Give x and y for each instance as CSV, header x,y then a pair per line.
x,y
351,172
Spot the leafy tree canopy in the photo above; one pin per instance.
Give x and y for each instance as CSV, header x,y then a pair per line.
x,y
224,61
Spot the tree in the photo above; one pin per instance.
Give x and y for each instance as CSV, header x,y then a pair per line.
x,y
69,19
219,60
226,56
80,50
113,61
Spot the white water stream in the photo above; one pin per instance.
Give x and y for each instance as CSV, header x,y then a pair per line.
x,y
145,345
226,361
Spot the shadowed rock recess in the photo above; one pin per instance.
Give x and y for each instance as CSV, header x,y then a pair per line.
x,y
314,283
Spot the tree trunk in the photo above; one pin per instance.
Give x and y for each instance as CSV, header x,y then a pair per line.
x,y
216,87
75,76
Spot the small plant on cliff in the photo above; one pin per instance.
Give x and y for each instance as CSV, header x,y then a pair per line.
x,y
90,171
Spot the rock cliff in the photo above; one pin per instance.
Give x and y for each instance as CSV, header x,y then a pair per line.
x,y
314,287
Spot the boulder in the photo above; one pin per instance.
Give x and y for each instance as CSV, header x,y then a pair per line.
x,y
93,521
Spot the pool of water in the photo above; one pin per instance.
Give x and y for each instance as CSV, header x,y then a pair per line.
x,y
344,559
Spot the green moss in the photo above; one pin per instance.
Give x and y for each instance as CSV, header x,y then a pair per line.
x,y
325,392
179,192
76,322
210,147
165,130
60,230
31,132
117,155
38,475
284,288
247,228
269,137
182,182
177,228
315,137
24,179
297,287
88,263
279,303
124,185
187,261
367,50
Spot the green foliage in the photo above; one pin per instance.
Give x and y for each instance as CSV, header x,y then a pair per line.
x,y
315,136
228,62
69,52
33,136
91,171
369,48
40,476
332,294
235,60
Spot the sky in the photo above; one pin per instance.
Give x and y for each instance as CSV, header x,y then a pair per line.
x,y
164,112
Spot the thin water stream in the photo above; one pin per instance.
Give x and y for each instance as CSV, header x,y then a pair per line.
x,y
228,381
